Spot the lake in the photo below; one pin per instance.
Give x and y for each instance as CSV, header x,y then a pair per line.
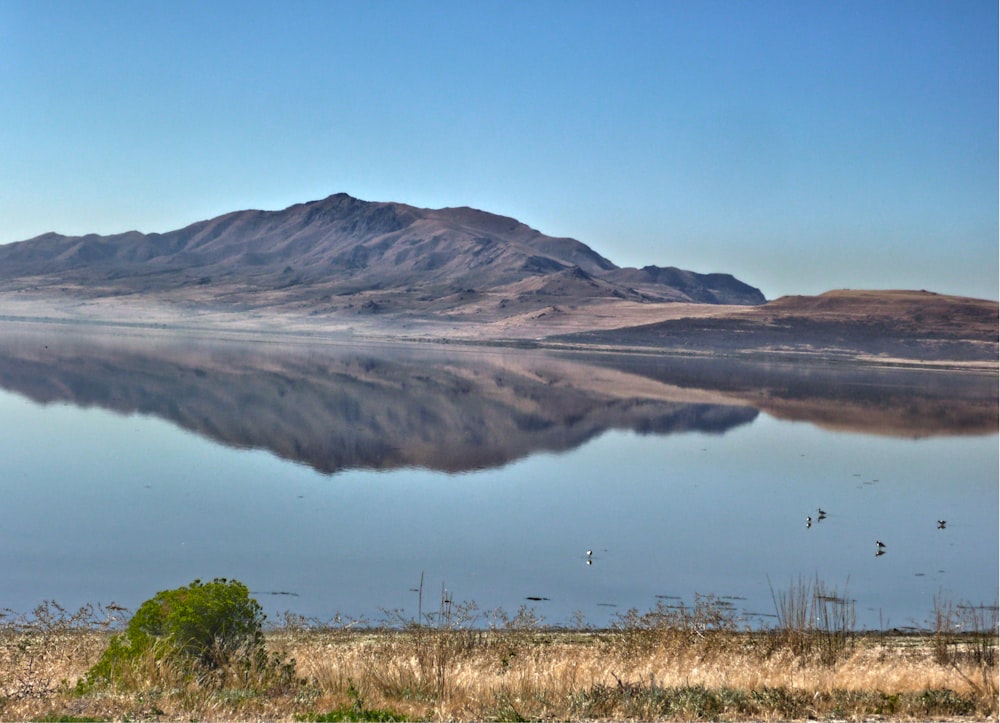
x,y
333,476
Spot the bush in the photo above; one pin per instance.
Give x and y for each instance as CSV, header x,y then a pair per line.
x,y
208,631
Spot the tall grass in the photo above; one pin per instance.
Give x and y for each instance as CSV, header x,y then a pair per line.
x,y
459,663
965,640
815,619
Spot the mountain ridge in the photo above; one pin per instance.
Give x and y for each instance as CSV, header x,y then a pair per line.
x,y
343,266
345,245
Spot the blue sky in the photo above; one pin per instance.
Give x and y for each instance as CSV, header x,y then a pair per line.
x,y
801,146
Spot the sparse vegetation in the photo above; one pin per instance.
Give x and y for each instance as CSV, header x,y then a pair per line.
x,y
965,640
679,662
814,619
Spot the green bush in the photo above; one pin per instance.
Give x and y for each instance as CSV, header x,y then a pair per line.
x,y
206,631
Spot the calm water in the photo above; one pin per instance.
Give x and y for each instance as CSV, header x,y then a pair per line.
x,y
330,478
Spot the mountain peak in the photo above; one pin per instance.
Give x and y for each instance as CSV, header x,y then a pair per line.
x,y
342,246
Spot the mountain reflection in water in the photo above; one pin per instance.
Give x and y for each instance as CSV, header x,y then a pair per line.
x,y
336,406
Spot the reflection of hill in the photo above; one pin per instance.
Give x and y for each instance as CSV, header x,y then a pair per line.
x,y
334,407
858,398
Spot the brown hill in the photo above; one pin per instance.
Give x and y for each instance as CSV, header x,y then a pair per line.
x,y
388,269
340,246
888,325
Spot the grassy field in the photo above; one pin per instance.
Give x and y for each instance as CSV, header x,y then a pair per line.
x,y
664,664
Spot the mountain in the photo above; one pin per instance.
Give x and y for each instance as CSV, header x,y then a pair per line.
x,y
310,254
389,270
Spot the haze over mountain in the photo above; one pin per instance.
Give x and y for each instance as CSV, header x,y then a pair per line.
x,y
310,253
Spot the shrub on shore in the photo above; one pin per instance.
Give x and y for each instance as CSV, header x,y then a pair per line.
x,y
210,633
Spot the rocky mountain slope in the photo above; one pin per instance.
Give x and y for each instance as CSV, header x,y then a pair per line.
x,y
346,266
311,254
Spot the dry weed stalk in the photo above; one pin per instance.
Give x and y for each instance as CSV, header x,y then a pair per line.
x,y
666,664
41,649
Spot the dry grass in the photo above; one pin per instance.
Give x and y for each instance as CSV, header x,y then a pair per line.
x,y
601,675
665,664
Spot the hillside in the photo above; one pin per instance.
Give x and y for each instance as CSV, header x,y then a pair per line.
x,y
346,266
314,256
887,325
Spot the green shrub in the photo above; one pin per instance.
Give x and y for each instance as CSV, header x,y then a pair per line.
x,y
351,714
203,631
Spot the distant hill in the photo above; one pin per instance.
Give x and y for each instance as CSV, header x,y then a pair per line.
x,y
884,325
311,253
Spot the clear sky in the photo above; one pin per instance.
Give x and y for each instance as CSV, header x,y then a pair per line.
x,y
801,146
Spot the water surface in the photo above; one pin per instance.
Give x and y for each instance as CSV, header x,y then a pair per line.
x,y
331,478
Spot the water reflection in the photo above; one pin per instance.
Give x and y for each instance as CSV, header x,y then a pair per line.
x,y
869,399
344,406
105,505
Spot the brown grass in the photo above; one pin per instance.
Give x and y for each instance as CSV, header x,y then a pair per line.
x,y
665,664
606,675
